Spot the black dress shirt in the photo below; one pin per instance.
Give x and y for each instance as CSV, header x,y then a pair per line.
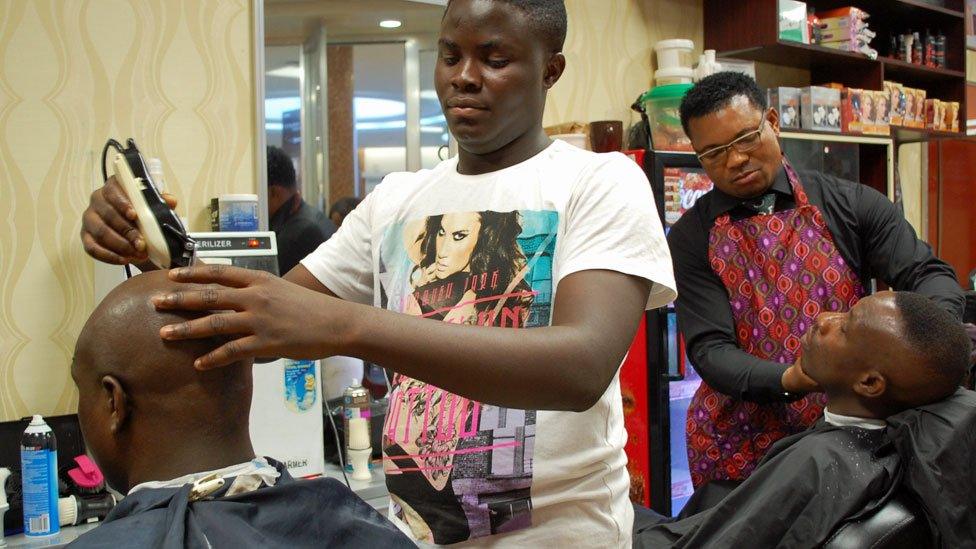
x,y
871,235
298,233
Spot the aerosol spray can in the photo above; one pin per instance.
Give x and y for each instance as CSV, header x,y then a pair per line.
x,y
356,419
39,469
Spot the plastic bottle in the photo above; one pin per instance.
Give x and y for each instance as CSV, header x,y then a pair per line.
x,y
916,49
928,55
39,469
356,421
906,51
940,50
4,506
707,65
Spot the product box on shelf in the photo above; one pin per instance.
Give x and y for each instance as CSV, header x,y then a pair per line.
x,y
868,111
880,125
952,117
896,103
908,111
820,109
841,45
919,115
850,34
851,111
793,21
934,115
787,102
849,12
840,24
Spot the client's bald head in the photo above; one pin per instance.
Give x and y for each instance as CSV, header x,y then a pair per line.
x,y
146,413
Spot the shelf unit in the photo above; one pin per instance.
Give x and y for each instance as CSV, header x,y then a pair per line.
x,y
751,31
877,155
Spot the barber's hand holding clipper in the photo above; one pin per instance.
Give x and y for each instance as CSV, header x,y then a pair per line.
x,y
108,227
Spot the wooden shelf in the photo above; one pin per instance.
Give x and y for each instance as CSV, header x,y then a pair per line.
x,y
917,135
805,56
860,139
895,68
798,55
922,5
898,7
899,135
751,31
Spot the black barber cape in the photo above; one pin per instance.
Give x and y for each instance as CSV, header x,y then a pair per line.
x,y
812,482
799,494
938,448
304,513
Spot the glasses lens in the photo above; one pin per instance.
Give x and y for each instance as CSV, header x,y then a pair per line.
x,y
713,156
748,142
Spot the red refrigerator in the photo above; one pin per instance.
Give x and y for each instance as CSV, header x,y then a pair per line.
x,y
657,381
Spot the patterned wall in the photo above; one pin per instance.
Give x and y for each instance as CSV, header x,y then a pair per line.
x,y
610,55
174,74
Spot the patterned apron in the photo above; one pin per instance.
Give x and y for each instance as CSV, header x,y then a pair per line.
x,y
781,270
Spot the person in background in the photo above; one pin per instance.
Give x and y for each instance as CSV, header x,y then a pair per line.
x,y
534,406
133,395
757,259
342,208
298,226
891,369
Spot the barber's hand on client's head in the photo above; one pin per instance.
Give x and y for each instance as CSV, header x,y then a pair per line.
x,y
268,316
796,381
108,226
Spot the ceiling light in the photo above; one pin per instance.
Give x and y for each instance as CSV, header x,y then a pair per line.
x,y
390,24
376,108
288,71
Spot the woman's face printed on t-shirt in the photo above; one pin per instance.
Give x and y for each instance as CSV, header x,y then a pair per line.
x,y
455,243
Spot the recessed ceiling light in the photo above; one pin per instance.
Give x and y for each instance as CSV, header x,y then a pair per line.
x,y
390,24
288,71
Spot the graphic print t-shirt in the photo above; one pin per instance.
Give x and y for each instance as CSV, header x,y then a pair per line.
x,y
490,250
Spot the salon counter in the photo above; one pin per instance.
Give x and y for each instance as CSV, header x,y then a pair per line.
x,y
373,491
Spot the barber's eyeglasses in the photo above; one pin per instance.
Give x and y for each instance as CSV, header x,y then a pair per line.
x,y
742,144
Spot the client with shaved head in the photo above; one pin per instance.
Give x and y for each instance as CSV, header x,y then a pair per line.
x,y
896,421
175,440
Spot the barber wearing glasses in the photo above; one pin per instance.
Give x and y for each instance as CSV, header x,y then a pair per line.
x,y
757,259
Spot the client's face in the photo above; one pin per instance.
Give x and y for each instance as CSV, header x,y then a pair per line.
x,y
839,346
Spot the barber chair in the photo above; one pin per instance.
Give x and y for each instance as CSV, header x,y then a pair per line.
x,y
969,317
900,523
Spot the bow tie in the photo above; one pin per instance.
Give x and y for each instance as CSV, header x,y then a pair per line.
x,y
762,205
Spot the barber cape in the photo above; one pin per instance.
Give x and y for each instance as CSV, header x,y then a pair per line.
x,y
813,482
804,488
320,512
937,444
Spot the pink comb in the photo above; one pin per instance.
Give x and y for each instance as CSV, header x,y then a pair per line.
x,y
86,475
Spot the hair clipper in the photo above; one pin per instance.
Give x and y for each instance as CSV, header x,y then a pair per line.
x,y
167,242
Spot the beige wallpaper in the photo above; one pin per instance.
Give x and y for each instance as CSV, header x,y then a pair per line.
x,y
610,55
174,74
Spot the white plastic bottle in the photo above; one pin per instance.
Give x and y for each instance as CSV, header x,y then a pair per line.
x,y
707,65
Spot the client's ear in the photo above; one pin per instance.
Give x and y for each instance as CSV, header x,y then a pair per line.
x,y
117,402
870,384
